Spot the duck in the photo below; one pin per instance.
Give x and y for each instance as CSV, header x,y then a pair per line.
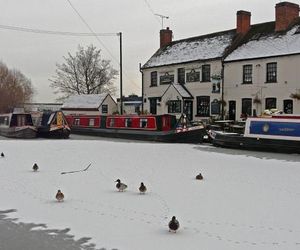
x,y
173,225
59,196
142,188
199,177
2,154
120,186
35,167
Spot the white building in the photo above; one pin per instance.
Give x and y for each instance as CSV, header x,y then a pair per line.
x,y
220,74
95,104
263,71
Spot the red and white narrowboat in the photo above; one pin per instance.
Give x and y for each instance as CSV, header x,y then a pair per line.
x,y
162,128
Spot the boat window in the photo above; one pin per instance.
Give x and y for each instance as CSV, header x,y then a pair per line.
x,y
143,122
91,122
112,122
50,118
128,122
4,120
77,121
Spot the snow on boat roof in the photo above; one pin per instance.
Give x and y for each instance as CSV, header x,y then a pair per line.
x,y
261,45
192,49
84,101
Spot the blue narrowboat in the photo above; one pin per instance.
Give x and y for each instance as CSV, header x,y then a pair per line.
x,y
275,134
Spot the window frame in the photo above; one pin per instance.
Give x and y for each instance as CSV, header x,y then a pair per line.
x,y
153,79
243,101
269,101
270,69
104,109
206,73
174,106
205,100
247,74
181,75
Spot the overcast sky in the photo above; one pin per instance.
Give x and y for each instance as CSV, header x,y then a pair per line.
x,y
36,55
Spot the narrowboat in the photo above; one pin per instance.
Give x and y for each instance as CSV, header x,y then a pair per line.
x,y
274,134
52,124
161,128
17,125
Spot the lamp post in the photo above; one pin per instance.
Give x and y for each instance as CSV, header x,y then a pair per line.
x,y
121,77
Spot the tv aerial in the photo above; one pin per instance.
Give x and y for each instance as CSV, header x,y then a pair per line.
x,y
162,19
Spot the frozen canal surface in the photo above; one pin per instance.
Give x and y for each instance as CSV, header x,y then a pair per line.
x,y
247,200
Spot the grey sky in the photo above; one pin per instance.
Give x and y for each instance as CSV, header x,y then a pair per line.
x,y
36,54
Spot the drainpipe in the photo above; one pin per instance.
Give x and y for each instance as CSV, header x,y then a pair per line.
x,y
222,90
142,87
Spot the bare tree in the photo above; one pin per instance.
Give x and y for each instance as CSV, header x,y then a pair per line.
x,y
15,88
84,73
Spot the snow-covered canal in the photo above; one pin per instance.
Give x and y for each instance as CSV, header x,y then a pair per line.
x,y
246,201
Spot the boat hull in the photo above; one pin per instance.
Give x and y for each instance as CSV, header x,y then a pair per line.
x,y
56,133
187,136
28,132
238,141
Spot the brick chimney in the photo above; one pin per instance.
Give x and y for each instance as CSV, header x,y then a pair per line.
x,y
165,37
286,13
243,21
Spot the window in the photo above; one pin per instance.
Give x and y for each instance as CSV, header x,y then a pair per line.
x,y
271,103
154,78
193,76
137,109
271,72
181,75
246,107
112,122
104,109
247,74
216,87
128,122
91,122
77,122
203,103
143,122
206,73
4,120
288,106
174,106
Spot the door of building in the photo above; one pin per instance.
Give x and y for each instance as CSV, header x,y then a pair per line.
x,y
188,109
153,106
232,110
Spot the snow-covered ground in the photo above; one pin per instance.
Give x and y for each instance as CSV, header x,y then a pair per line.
x,y
246,201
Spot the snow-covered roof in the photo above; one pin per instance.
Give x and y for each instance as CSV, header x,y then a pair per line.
x,y
197,48
270,44
92,101
182,91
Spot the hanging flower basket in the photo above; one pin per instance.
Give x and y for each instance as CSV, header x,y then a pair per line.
x,y
295,96
222,102
257,100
